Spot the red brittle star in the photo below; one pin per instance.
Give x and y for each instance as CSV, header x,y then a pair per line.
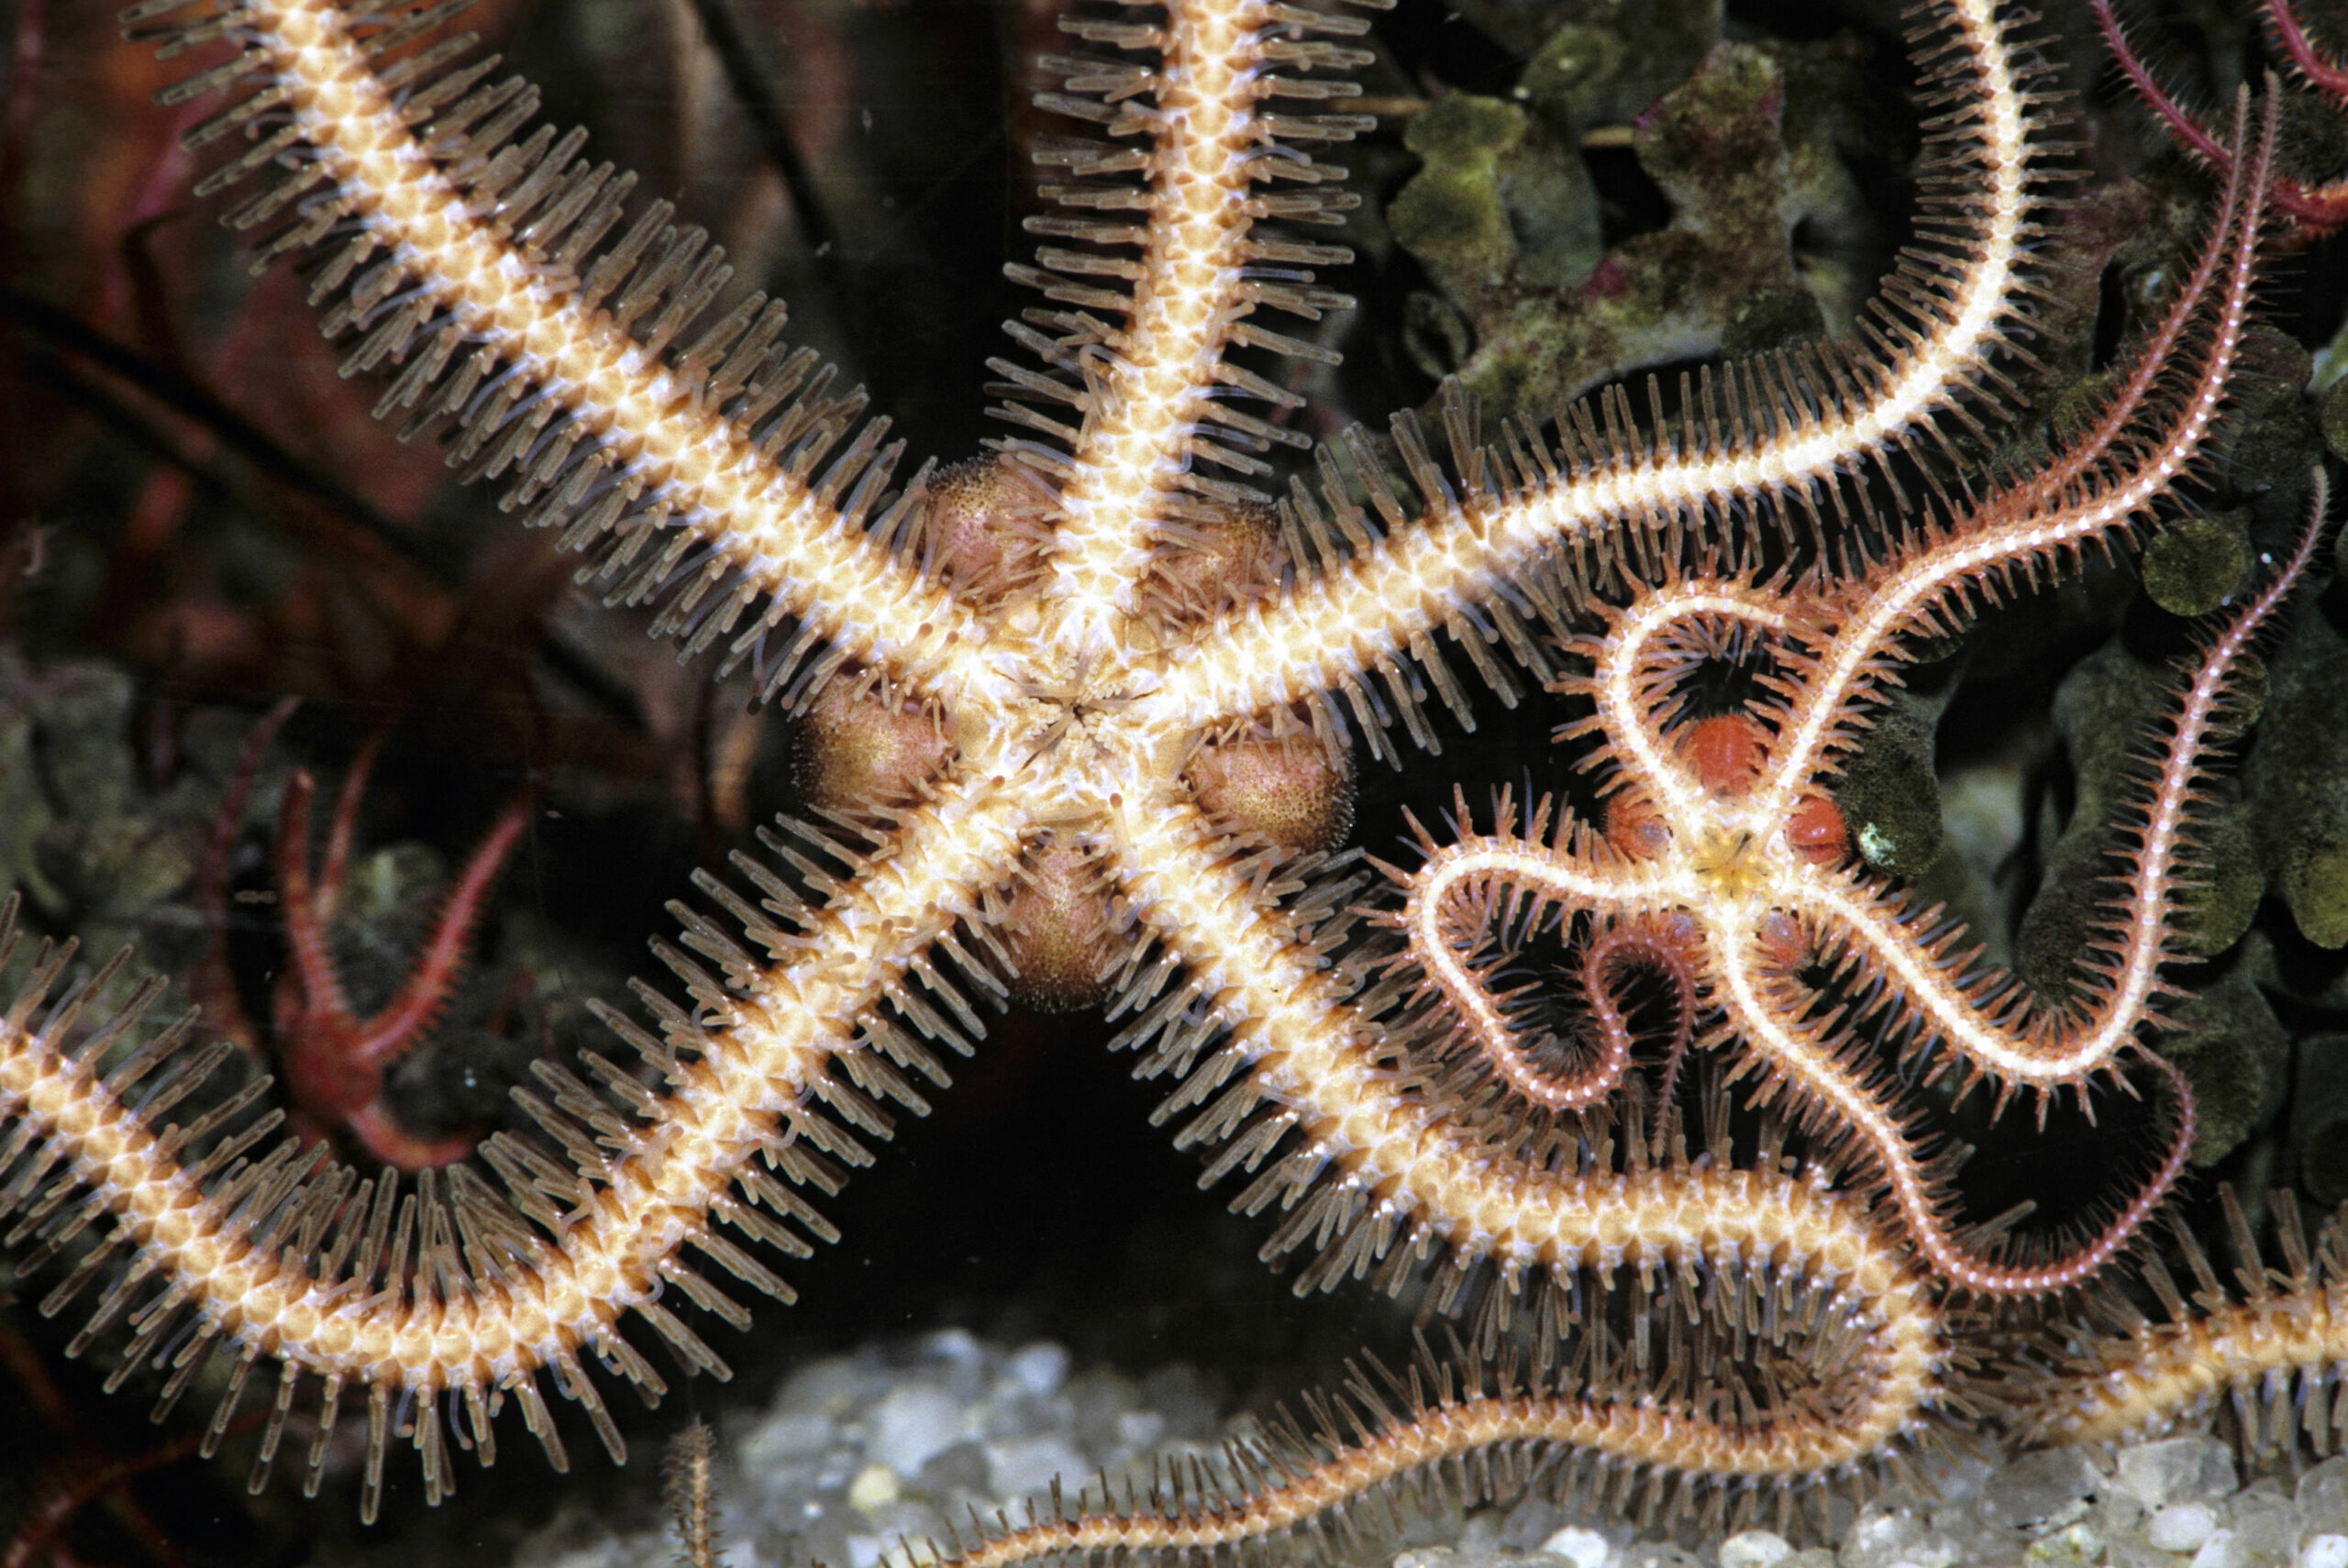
x,y
2318,206
334,1062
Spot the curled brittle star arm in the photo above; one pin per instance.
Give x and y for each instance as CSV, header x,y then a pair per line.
x,y
2323,76
480,265
1157,399
1402,1172
1762,1017
2318,208
597,1236
2184,126
1623,683
1364,613
1448,910
2048,1049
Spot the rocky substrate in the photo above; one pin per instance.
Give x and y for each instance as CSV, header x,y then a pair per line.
x,y
858,1454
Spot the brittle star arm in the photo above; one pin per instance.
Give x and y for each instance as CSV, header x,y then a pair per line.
x,y
2271,1348
1300,1487
1155,395
2323,76
1450,911
1388,1169
1766,1019
2320,207
479,262
1460,557
2103,486
773,1056
2045,1048
2184,126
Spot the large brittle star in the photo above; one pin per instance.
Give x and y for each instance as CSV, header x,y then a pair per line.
x,y
1080,708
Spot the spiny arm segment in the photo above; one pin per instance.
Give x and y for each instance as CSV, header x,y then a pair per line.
x,y
1176,220
1492,891
2096,489
1408,1439
1517,531
480,259
461,1293
1815,1068
2310,65
2273,1352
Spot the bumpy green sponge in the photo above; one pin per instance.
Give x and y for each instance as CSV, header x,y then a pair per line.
x,y
2298,781
1743,141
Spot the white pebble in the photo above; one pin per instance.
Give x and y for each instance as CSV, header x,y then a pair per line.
x,y
1040,1368
1426,1557
913,1422
2075,1545
875,1487
2218,1551
1019,1465
1140,1429
958,1347
785,1436
2265,1525
2323,1497
2181,1527
2323,1551
827,1387
1755,1549
1582,1547
2177,1470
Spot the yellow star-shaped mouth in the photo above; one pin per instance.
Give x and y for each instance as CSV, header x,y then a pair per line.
x,y
1729,863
